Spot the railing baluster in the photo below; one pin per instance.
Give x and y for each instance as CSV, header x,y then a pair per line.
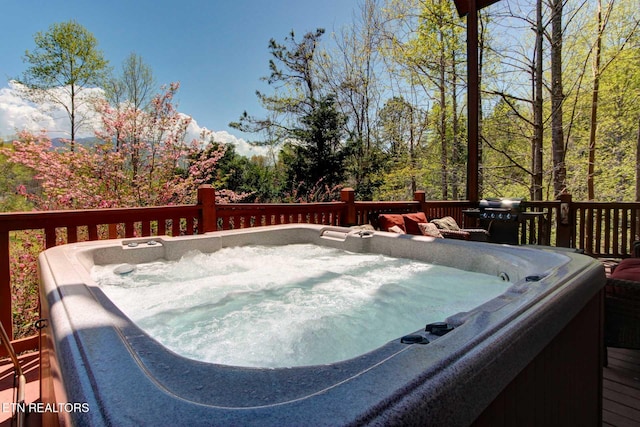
x,y
583,228
616,231
113,231
598,236
625,231
633,227
129,230
72,234
146,228
6,313
50,237
591,212
93,231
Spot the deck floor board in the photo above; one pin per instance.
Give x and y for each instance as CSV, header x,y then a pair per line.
x,y
621,388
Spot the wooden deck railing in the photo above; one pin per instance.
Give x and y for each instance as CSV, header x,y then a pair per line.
x,y
541,229
244,215
606,229
59,227
601,229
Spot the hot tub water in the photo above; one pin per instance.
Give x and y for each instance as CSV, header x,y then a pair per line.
x,y
294,305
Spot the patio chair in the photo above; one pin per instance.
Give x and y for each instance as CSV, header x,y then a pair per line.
x,y
449,228
410,223
622,305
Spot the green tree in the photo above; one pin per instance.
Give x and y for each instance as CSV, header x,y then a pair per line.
x,y
294,77
508,157
65,62
423,41
402,128
134,85
617,131
14,179
351,71
253,178
315,163
303,117
132,89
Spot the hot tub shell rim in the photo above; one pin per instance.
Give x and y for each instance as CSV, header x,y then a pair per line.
x,y
409,354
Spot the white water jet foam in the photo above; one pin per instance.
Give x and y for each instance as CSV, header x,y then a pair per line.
x,y
293,305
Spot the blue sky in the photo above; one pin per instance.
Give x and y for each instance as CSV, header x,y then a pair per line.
x,y
217,50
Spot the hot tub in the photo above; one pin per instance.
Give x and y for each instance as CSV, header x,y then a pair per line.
x,y
110,372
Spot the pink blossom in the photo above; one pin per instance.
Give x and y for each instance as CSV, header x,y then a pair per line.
x,y
137,162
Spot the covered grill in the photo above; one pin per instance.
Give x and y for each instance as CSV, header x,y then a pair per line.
x,y
501,209
502,217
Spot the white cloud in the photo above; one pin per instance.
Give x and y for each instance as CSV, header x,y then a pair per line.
x,y
17,114
242,147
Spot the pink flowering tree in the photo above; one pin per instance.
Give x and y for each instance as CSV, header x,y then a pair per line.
x,y
68,179
142,159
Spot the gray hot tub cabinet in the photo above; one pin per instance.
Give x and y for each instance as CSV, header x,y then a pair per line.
x,y
531,356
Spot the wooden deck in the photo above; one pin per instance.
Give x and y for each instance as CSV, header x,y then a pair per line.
x,y
621,388
31,368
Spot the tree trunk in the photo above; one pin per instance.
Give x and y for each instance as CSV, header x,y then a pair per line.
x,y
443,121
456,147
537,109
412,153
638,164
72,116
594,107
481,47
557,99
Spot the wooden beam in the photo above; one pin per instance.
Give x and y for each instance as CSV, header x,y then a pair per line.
x,y
473,101
463,5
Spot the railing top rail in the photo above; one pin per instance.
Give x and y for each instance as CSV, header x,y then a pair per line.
x,y
451,203
301,206
540,203
607,205
410,202
11,221
237,209
387,203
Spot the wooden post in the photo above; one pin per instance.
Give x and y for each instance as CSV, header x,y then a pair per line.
x,y
348,217
207,203
470,8
421,196
473,102
6,316
565,220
